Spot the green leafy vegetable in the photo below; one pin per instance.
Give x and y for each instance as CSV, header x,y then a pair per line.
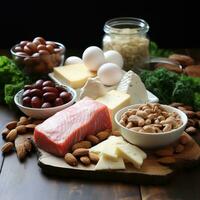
x,y
169,87
12,79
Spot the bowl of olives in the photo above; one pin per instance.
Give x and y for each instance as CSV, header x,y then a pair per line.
x,y
44,98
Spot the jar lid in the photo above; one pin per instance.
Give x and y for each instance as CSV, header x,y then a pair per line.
x,y
126,26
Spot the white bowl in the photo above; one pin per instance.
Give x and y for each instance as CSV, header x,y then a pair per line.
x,y
43,113
151,140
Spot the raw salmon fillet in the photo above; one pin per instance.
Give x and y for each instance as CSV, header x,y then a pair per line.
x,y
58,133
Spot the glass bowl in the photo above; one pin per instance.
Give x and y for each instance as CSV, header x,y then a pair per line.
x,y
39,64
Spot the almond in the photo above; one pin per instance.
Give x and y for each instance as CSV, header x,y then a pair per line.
x,y
167,160
179,148
184,60
85,160
116,133
191,130
80,152
93,157
11,125
28,145
103,135
23,121
167,151
192,70
11,135
5,132
82,144
30,127
176,104
70,159
93,139
198,114
189,113
184,139
21,151
7,147
21,129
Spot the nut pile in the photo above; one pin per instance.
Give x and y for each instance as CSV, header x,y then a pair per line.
x,y
15,128
166,154
150,118
193,117
39,55
45,94
80,151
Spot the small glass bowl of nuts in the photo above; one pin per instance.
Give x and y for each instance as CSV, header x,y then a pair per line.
x,y
38,57
151,125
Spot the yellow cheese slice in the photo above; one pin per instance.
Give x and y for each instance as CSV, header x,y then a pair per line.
x,y
115,100
74,75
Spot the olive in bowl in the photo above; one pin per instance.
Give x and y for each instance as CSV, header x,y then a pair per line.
x,y
38,56
151,125
44,102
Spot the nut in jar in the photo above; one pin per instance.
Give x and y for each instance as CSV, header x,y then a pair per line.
x,y
127,36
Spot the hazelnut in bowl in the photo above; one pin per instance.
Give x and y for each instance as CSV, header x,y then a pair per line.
x,y
43,99
39,56
151,125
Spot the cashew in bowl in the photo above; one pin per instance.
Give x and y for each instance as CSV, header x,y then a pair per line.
x,y
150,118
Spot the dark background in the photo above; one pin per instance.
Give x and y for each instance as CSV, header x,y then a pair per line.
x,y
78,24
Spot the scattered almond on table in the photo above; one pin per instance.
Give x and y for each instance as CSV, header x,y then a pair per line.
x,y
193,117
15,128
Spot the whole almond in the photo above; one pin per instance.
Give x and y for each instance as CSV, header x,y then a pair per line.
x,y
191,122
184,139
23,121
85,160
182,59
30,127
191,130
167,160
103,135
11,125
93,139
188,108
116,133
7,147
80,152
5,132
82,144
28,145
11,135
21,151
179,148
21,129
166,151
198,114
70,159
189,113
93,157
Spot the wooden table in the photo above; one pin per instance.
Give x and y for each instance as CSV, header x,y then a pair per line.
x,y
20,181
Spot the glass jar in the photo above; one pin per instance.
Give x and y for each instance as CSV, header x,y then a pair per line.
x,y
128,36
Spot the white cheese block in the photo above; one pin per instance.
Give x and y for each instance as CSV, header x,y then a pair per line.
x,y
131,153
131,84
93,88
115,100
105,163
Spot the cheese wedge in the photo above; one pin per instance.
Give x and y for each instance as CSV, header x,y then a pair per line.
x,y
131,153
74,75
115,101
106,163
131,84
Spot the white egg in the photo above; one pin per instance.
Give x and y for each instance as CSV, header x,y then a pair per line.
x,y
73,60
112,56
93,58
109,74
